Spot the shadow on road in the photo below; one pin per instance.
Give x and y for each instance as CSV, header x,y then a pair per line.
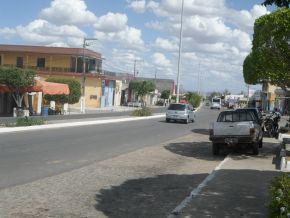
x,y
231,193
199,150
234,193
146,197
201,131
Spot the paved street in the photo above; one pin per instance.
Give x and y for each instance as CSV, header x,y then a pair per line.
x,y
122,170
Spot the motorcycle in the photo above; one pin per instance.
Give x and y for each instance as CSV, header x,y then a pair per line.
x,y
271,124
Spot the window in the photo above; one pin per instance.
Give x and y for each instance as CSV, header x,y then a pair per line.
x,y
41,62
19,62
177,107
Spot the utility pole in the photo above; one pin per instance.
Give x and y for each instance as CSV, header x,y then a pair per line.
x,y
198,79
83,98
135,68
179,53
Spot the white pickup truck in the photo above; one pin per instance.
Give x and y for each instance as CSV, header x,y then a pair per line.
x,y
235,128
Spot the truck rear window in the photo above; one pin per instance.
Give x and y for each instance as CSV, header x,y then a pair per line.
x,y
236,116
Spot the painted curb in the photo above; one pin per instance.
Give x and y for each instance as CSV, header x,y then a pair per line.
x,y
73,124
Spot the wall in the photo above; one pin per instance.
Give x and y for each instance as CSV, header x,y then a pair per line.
x,y
92,89
56,61
118,93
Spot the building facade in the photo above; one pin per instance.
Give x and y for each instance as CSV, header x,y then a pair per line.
x,y
55,62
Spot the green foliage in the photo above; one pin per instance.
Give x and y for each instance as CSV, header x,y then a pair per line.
x,y
165,94
28,121
24,121
251,71
193,98
279,3
74,88
18,81
270,57
280,196
141,88
144,111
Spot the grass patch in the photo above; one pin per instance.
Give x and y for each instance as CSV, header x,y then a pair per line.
x,y
144,111
24,121
280,196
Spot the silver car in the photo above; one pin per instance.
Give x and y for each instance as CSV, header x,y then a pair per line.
x,y
180,112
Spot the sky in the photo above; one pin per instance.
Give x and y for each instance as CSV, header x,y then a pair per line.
x,y
216,36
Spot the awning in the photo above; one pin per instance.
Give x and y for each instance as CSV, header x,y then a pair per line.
x,y
4,89
47,88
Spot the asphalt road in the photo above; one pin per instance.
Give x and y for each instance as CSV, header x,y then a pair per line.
x,y
31,155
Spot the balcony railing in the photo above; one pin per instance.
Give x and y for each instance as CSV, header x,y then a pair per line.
x,y
49,69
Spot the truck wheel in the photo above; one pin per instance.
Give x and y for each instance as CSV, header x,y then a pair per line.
x,y
186,121
215,149
255,148
167,120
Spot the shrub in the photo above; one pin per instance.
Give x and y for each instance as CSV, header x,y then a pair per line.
x,y
280,196
144,111
28,121
74,88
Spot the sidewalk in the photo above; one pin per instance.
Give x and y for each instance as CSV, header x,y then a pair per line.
x,y
238,187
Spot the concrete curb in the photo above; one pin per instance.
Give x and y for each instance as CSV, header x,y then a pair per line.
x,y
73,124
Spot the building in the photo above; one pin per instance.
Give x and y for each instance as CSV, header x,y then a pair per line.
x,y
55,62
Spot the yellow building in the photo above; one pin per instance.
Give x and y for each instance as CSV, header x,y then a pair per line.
x,y
56,62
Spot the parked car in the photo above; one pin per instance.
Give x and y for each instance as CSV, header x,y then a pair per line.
x,y
180,112
236,128
134,104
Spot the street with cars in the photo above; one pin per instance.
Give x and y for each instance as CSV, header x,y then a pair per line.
x,y
122,169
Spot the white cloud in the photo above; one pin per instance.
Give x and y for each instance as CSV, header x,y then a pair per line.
x,y
72,12
41,31
111,22
138,6
244,20
166,45
160,60
113,27
7,32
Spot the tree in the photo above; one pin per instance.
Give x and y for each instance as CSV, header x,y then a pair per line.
x,y
193,98
270,57
18,81
165,94
226,92
214,94
279,3
74,91
141,88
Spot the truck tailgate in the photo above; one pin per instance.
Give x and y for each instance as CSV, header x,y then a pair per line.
x,y
232,128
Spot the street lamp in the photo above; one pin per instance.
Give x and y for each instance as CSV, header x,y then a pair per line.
x,y
83,98
179,53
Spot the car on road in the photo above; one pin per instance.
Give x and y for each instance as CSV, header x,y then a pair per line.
x,y
180,112
134,104
236,128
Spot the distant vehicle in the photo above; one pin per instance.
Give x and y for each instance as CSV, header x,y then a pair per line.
x,y
134,104
180,112
216,103
235,128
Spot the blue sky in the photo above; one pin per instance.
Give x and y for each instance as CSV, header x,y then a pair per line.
x,y
216,36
